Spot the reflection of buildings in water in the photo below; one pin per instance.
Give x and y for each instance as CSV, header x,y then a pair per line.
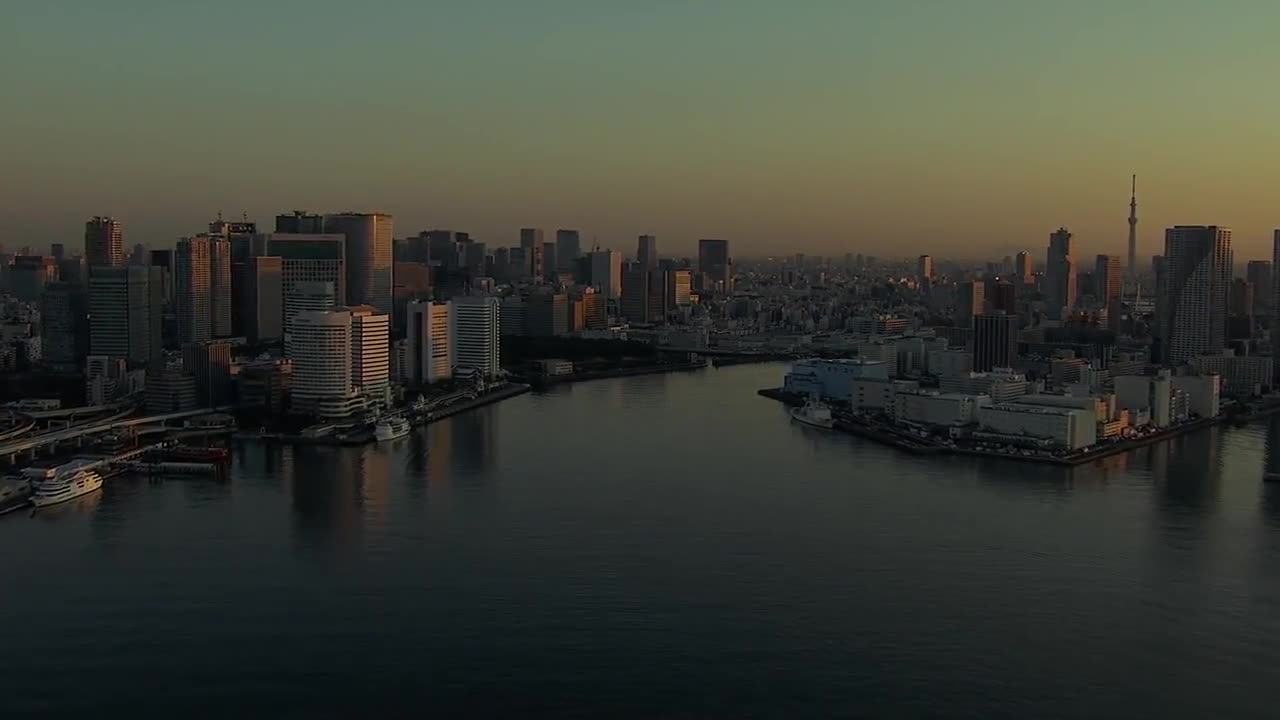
x,y
439,446
373,463
1186,470
1270,501
473,436
326,493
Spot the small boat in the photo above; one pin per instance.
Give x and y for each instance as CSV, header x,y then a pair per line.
x,y
62,488
391,428
15,492
814,414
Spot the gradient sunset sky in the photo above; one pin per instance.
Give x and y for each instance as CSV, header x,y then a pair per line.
x,y
959,128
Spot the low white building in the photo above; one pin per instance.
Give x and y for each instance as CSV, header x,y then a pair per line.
x,y
1059,428
1243,375
831,379
1202,391
928,407
949,362
1001,385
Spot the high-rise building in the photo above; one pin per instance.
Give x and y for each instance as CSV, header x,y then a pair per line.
x,y
477,334
1001,296
430,352
370,351
220,294
1024,268
307,258
970,301
1258,273
1192,294
262,299
209,362
595,310
64,316
647,252
606,272
103,242
193,288
475,255
58,251
531,242
1106,279
568,248
368,256
1133,228
300,223
164,259
322,365
73,270
1059,273
995,341
679,288
550,263
305,296
546,314
924,268
714,266
124,313
29,274
644,294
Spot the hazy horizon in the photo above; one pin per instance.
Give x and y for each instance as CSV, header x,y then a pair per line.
x,y
886,128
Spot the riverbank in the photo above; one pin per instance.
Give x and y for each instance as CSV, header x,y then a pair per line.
x,y
619,372
897,438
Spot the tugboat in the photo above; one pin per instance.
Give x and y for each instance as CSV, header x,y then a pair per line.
x,y
814,414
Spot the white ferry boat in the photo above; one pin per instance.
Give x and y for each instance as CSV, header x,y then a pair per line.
x,y
814,414
390,428
63,487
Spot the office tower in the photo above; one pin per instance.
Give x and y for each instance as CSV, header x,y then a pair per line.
x,y
714,266
477,334
308,258
970,301
368,256
209,362
475,255
606,272
1258,272
430,354
64,316
193,289
300,223
1001,297
243,243
322,364
103,242
138,256
679,288
264,385
647,252
1024,268
635,293
1059,274
1133,229
73,270
568,248
169,390
531,243
220,294
164,259
1107,282
305,296
261,299
924,268
370,351
124,314
595,310
546,314
1240,298
550,263
1196,273
29,274
511,317
995,341
58,251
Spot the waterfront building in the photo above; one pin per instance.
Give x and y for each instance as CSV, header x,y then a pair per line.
x,y
1149,395
170,390
1192,307
1044,427
371,352
832,379
476,336
209,363
264,385
103,242
546,314
305,296
995,341
931,408
193,289
322,365
430,355
1001,385
1242,375
367,257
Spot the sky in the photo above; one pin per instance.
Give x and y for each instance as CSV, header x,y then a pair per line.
x,y
958,128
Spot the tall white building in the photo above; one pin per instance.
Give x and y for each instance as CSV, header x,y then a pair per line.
x,y
304,297
429,326
322,364
477,333
606,272
370,351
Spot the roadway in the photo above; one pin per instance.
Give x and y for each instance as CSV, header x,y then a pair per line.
x,y
36,441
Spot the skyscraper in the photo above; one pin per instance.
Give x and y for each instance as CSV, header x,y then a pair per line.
x,y
193,289
550,263
305,296
679,288
568,248
1258,273
477,334
220,295
308,258
924,268
995,341
430,343
370,351
606,272
546,314
64,316
1133,229
1059,273
261,299
210,363
531,243
368,256
1193,291
1024,268
322,364
970,301
124,313
647,252
714,266
1106,279
299,222
104,242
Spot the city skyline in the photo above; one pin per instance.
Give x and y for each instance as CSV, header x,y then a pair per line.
x,y
835,145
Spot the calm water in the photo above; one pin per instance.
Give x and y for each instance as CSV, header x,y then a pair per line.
x,y
662,545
